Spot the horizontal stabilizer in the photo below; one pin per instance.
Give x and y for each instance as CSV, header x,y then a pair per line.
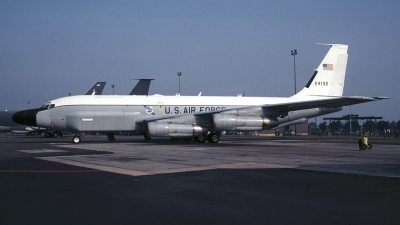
x,y
333,102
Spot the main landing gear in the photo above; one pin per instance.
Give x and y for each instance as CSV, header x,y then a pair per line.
x,y
56,134
201,138
212,137
146,136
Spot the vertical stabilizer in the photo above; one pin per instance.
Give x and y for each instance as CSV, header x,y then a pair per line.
x,y
328,79
142,87
97,89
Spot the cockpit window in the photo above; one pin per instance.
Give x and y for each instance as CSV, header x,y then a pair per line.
x,y
48,105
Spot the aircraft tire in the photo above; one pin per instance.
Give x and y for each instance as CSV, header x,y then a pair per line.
x,y
213,138
76,139
56,134
201,138
47,134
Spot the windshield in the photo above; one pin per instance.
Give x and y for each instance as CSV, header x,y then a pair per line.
x,y
48,105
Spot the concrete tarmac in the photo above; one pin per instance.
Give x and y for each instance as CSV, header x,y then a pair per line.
x,y
242,180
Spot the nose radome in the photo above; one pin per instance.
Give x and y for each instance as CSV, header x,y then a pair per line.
x,y
26,117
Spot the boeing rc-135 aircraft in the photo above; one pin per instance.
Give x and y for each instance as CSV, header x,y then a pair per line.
x,y
199,117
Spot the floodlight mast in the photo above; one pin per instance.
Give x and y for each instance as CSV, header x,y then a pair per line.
x,y
179,75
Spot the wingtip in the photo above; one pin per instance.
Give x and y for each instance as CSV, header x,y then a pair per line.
x,y
381,98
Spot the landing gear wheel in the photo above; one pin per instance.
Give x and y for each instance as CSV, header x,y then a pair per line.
x,y
76,140
369,146
213,138
48,134
56,135
201,138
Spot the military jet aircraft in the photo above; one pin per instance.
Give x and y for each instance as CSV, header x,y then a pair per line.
x,y
199,117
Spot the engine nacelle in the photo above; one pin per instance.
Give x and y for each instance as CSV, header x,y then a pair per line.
x,y
242,123
157,129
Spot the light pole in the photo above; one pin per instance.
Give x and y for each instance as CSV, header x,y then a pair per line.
x,y
179,75
350,121
294,53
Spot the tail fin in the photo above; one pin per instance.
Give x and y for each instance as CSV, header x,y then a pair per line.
x,y
142,87
328,79
97,89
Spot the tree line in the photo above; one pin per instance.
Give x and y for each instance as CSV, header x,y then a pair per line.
x,y
342,128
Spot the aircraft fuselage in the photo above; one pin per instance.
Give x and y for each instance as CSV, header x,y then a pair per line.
x,y
121,113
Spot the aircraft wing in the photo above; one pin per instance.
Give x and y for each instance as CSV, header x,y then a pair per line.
x,y
333,102
277,109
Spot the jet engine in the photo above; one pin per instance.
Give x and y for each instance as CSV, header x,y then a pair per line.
x,y
162,129
242,123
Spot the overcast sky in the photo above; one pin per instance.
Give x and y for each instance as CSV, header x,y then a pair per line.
x,y
51,48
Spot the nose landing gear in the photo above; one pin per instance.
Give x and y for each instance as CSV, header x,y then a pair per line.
x,y
76,139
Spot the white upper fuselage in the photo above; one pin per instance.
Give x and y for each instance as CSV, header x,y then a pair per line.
x,y
154,100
